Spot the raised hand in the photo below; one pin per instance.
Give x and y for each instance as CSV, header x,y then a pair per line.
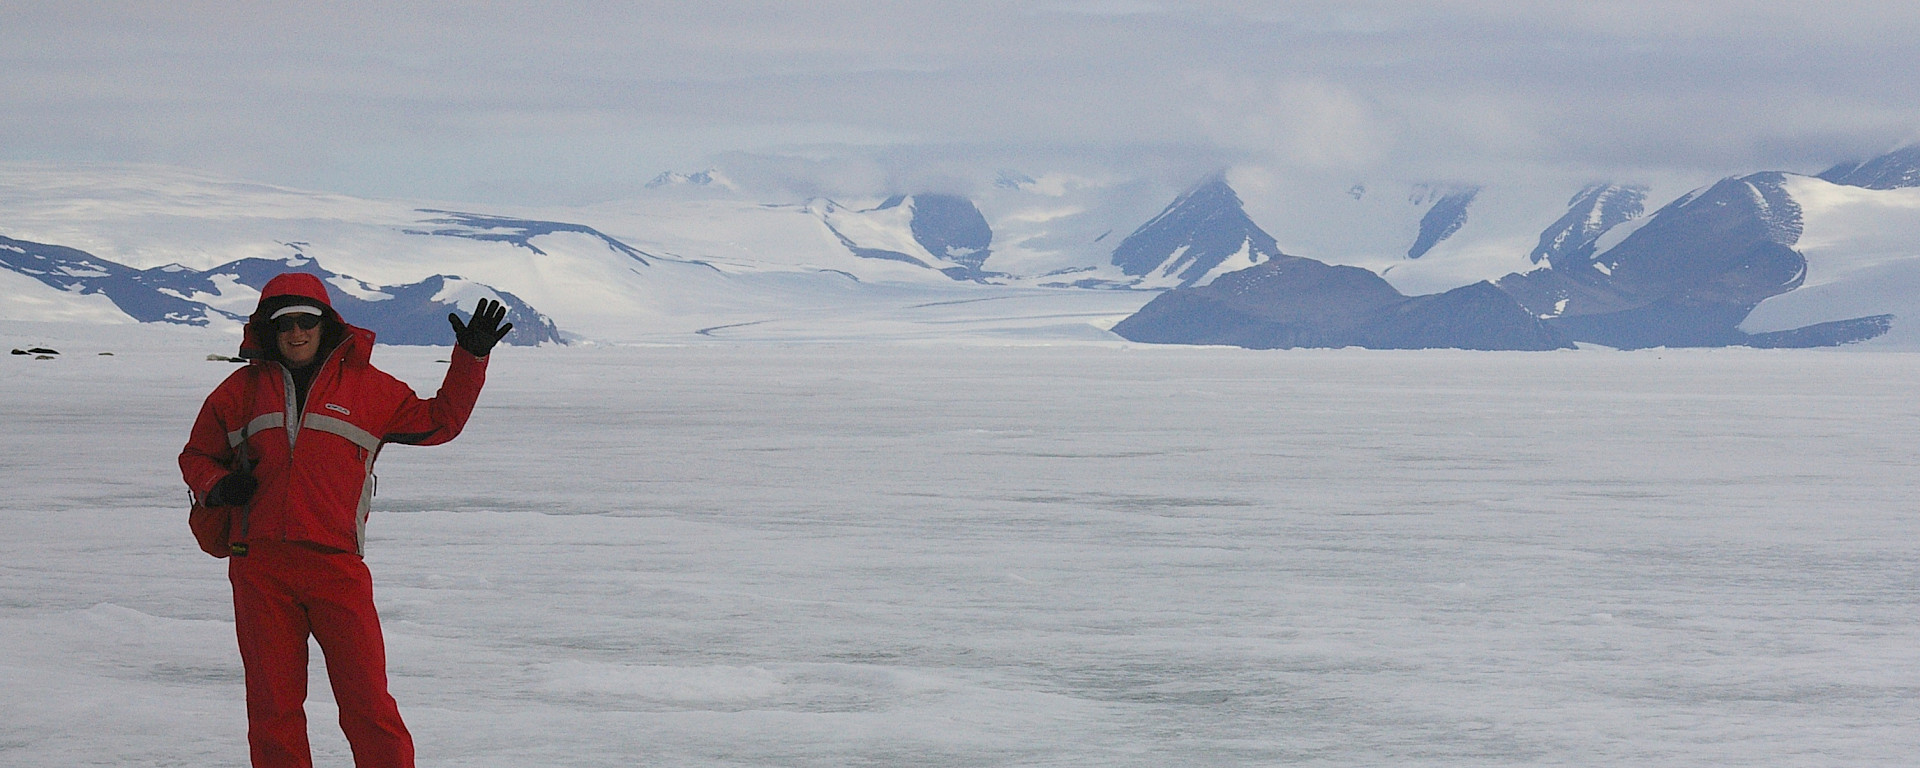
x,y
484,330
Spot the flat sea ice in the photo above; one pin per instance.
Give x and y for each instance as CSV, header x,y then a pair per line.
x,y
1080,555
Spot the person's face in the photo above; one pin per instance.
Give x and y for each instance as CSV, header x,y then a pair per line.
x,y
298,336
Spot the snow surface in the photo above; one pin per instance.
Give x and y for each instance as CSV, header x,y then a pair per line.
x,y
1170,273
24,298
873,227
1501,229
936,554
1863,258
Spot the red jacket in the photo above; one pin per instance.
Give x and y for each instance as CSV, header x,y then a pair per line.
x,y
315,467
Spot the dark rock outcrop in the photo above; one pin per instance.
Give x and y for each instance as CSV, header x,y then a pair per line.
x,y
1898,169
1478,316
1447,216
952,229
1293,302
516,232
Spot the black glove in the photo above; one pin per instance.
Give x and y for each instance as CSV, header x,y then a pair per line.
x,y
233,490
479,335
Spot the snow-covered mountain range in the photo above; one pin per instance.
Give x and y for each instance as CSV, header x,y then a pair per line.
x,y
227,293
665,268
1768,259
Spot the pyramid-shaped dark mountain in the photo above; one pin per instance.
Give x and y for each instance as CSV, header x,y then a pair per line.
x,y
1204,233
1899,169
1292,302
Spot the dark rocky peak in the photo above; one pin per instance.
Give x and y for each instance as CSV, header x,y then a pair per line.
x,y
1196,234
1898,169
1683,247
1570,241
1447,216
1756,206
952,228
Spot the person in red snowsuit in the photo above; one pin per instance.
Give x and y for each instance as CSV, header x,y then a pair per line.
x,y
290,440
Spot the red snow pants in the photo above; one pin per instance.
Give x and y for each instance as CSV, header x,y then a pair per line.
x,y
282,593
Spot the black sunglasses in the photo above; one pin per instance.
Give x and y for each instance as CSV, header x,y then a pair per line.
x,y
303,321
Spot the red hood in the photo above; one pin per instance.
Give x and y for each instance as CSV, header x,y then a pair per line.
x,y
284,289
299,284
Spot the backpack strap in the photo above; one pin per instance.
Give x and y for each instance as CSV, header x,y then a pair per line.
x,y
243,455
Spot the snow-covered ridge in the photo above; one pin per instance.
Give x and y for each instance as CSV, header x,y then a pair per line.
x,y
1862,247
1692,274
1898,169
224,295
517,232
716,263
655,269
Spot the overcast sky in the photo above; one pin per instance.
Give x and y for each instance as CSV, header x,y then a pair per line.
x,y
548,102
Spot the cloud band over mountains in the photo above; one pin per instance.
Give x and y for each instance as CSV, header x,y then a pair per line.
x,y
516,102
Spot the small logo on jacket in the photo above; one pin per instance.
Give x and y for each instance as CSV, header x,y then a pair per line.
x,y
339,409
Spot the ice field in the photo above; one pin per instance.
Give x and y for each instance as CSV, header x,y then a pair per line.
x,y
760,554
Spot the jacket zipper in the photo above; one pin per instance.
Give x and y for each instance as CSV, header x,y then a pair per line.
x,y
294,408
293,416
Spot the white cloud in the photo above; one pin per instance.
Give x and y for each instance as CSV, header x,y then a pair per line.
x,y
540,102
